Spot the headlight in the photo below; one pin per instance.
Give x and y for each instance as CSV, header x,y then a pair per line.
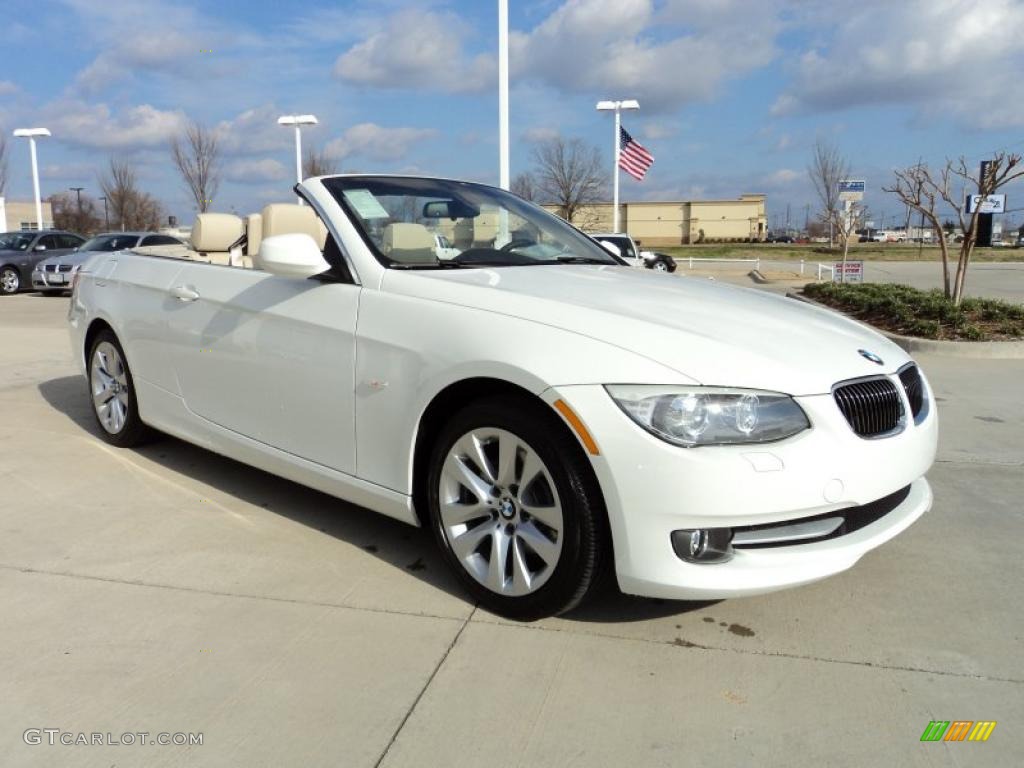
x,y
692,416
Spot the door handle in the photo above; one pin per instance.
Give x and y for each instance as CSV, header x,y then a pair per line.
x,y
184,293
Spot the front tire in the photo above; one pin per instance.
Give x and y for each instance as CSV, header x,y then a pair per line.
x,y
10,281
112,392
515,508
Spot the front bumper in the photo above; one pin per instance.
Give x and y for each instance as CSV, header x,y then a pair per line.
x,y
652,488
51,281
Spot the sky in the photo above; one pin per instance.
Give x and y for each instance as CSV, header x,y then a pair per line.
x,y
733,93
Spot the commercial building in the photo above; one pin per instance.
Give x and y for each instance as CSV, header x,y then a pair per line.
x,y
16,216
680,222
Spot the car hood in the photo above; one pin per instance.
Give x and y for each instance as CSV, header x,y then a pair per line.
x,y
715,334
71,259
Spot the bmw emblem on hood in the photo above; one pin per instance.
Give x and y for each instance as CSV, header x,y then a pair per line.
x,y
871,356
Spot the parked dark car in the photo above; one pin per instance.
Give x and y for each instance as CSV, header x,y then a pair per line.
x,y
779,239
52,276
21,251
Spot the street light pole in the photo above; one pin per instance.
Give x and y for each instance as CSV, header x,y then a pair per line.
x,y
106,218
617,107
298,121
31,134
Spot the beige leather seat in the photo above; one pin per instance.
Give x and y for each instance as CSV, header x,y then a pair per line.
x,y
213,234
408,243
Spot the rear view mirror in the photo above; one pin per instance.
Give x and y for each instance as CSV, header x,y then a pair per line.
x,y
292,255
449,209
39,248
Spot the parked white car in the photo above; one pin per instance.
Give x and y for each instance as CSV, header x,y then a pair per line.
x,y
549,414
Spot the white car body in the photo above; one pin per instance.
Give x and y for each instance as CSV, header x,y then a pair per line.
x,y
327,384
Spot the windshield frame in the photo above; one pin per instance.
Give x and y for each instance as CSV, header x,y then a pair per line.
x,y
588,248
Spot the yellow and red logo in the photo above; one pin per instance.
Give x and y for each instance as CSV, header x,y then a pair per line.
x,y
958,730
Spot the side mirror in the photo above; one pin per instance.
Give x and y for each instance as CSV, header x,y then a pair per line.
x,y
612,248
39,248
292,255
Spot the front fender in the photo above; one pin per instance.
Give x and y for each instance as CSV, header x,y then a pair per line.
x,y
410,349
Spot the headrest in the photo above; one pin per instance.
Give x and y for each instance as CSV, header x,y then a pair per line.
x,y
289,219
215,232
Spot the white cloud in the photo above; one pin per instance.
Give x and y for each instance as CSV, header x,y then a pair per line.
x,y
540,134
375,142
255,131
664,56
7,88
784,176
955,57
266,169
416,48
96,126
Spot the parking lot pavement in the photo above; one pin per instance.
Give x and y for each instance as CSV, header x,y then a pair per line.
x,y
169,589
993,280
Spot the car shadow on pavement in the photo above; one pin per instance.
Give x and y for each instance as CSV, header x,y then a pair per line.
x,y
389,540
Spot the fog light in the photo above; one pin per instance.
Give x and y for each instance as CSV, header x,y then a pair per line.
x,y
703,545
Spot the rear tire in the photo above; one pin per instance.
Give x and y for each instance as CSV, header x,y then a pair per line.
x,y
112,393
515,508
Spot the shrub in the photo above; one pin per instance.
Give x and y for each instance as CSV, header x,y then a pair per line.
x,y
928,314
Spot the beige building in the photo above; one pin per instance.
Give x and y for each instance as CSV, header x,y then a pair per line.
x,y
16,216
680,222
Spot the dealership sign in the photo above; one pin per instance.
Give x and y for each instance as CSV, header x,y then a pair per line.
x,y
985,204
852,190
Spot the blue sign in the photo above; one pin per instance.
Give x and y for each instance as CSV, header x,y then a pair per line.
x,y
851,186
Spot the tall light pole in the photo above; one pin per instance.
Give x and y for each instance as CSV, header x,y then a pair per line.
x,y
298,121
31,134
106,218
503,151
617,107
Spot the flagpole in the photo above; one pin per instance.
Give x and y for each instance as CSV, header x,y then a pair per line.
x,y
615,170
617,107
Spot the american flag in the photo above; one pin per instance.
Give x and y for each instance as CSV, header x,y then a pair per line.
x,y
633,158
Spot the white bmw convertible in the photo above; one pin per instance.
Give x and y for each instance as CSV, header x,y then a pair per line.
x,y
550,414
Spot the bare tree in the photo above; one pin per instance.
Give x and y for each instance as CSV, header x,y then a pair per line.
x,y
318,163
3,165
921,189
73,214
570,174
524,185
129,206
828,167
196,155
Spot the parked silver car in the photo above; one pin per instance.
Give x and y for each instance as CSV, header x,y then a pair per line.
x,y
52,276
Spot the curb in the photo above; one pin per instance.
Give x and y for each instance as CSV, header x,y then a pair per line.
x,y
979,350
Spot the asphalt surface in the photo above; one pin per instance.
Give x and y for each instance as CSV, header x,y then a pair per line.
x,y
167,589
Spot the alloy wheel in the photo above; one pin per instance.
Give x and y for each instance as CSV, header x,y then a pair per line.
x,y
499,512
10,281
109,384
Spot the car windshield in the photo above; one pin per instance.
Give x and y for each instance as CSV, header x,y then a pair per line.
x,y
405,220
15,241
109,243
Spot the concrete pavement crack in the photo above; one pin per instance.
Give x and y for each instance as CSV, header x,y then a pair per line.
x,y
423,690
223,593
778,654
